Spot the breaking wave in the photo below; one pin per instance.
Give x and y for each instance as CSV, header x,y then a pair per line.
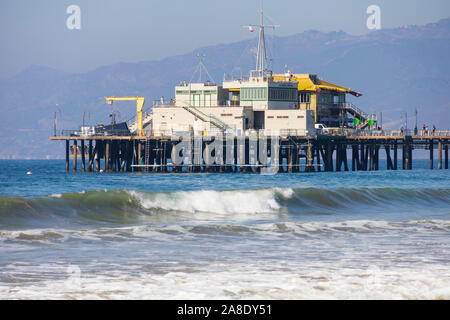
x,y
124,207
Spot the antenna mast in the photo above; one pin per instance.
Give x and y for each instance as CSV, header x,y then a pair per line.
x,y
261,57
201,66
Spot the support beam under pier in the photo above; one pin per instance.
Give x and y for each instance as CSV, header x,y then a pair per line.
x,y
75,155
67,155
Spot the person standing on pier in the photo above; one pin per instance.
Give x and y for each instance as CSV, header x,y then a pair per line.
x,y
433,129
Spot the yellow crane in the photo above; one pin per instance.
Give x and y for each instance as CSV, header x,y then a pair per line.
x,y
139,107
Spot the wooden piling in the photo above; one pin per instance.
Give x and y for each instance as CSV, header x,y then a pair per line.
x,y
357,159
107,156
344,157
323,154
405,155
247,155
317,150
338,157
236,154
329,156
83,158
389,165
100,155
309,158
431,154
129,156
446,154
410,157
363,153
440,154
153,154
354,156
158,156
138,154
377,156
91,157
366,156
98,147
114,156
122,156
296,162
371,156
67,155
290,159
281,157
117,156
395,155
165,156
75,155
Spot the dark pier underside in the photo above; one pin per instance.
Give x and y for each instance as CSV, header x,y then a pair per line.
x,y
295,153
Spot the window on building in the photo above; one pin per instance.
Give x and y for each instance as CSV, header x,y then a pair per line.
x,y
335,99
253,93
282,94
305,97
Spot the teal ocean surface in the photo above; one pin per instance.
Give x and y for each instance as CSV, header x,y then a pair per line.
x,y
362,235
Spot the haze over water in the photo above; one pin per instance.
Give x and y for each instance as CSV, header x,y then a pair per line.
x,y
382,234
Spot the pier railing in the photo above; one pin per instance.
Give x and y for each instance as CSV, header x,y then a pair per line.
x,y
147,115
354,110
242,78
164,103
93,133
286,132
261,132
386,133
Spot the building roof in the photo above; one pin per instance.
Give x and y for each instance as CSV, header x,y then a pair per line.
x,y
310,82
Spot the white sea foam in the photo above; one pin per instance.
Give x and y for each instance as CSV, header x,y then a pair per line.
x,y
337,260
218,202
278,229
34,235
244,281
56,195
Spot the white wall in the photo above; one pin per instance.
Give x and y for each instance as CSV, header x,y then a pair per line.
x,y
301,120
172,119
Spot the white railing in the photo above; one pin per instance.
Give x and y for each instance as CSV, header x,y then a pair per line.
x,y
350,105
146,118
287,132
389,133
164,103
235,78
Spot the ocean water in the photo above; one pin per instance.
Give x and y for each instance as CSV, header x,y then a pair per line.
x,y
342,235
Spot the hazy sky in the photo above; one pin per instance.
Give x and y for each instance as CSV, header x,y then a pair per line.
x,y
35,32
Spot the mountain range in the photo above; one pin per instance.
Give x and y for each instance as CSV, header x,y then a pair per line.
x,y
398,70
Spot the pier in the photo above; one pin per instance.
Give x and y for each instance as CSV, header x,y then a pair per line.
x,y
260,123
284,153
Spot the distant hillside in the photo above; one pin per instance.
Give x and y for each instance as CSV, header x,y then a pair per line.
x,y
396,69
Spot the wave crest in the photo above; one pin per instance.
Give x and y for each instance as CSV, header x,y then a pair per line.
x,y
122,206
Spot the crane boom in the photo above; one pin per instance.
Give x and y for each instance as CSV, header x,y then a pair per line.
x,y
139,108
